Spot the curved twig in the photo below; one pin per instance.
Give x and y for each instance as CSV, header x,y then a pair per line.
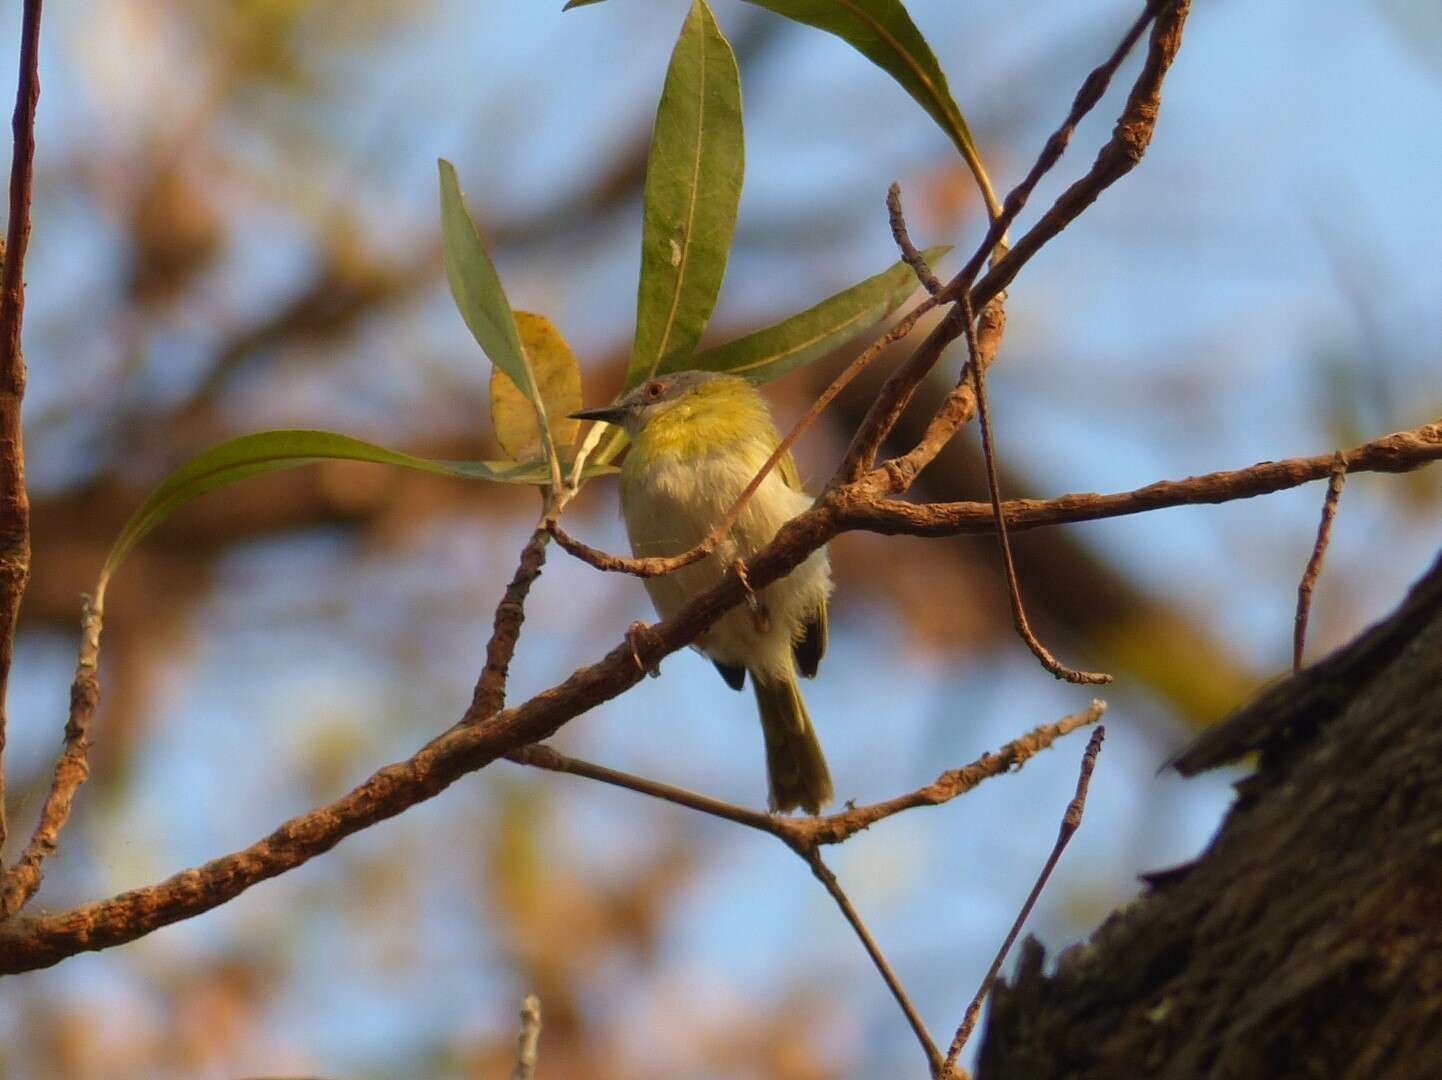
x,y
909,255
993,486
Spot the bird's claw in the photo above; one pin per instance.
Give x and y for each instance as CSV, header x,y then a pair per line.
x,y
760,617
636,637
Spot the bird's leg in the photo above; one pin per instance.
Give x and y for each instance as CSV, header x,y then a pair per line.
x,y
760,617
636,637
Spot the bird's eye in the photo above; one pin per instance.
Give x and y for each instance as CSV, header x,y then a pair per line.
x,y
653,390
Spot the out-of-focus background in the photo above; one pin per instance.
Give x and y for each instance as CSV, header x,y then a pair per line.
x,y
236,228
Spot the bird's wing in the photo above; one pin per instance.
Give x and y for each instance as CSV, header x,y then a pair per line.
x,y
734,674
811,646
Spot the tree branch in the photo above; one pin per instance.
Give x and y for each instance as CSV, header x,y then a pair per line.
x,y
1122,153
1403,451
1119,156
29,942
14,500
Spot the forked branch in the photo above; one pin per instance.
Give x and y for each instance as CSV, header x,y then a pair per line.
x,y
806,835
1121,154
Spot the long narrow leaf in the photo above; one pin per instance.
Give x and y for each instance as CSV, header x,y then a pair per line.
x,y
882,31
476,286
770,353
267,451
693,185
477,290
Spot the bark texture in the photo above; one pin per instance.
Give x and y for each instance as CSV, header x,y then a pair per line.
x,y
1307,940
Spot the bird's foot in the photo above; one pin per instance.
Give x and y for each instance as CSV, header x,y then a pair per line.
x,y
760,617
636,637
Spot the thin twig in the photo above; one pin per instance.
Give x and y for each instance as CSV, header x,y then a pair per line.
x,y
490,693
541,756
802,833
909,255
1070,821
1335,481
1093,88
72,769
828,879
1133,132
897,474
842,825
1122,153
660,565
14,500
528,1039
1013,586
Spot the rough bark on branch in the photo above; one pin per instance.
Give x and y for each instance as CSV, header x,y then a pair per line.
x,y
1307,939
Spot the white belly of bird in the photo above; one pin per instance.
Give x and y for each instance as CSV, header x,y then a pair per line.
x,y
675,505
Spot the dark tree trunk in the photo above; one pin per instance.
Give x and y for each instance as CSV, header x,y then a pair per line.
x,y
1307,940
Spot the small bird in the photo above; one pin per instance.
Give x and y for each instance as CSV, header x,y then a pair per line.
x,y
697,439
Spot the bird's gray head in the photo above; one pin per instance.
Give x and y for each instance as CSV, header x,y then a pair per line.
x,y
637,407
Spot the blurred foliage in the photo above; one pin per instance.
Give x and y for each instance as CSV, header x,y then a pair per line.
x,y
237,230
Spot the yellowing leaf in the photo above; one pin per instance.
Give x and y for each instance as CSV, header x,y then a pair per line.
x,y
558,381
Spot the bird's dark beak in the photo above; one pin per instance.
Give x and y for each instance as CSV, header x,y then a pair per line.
x,y
610,414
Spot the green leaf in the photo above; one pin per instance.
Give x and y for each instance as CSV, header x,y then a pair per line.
x,y
882,31
693,185
558,379
578,3
770,353
267,451
478,293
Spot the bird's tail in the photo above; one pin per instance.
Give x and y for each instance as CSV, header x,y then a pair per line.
x,y
795,766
